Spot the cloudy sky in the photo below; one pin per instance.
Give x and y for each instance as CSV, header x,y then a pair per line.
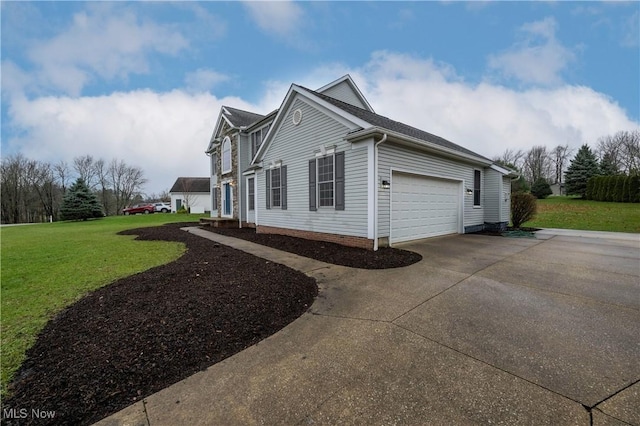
x,y
144,81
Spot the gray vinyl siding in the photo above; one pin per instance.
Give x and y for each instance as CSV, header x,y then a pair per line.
x,y
344,93
506,199
492,195
295,146
405,159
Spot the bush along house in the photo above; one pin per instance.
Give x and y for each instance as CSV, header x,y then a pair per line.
x,y
325,166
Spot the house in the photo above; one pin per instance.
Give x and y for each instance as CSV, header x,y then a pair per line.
x,y
192,193
325,166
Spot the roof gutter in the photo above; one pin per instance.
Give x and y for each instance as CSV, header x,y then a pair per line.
x,y
375,188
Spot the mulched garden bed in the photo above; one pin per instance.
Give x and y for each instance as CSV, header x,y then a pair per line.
x,y
336,254
143,333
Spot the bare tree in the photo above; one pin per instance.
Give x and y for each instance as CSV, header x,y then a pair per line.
x,y
86,170
622,151
511,158
62,173
42,182
537,164
186,185
560,158
126,182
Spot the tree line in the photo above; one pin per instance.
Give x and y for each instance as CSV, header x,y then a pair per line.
x,y
613,155
32,191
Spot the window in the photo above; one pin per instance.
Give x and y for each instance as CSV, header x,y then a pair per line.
x,y
276,186
476,188
251,190
325,181
226,155
257,138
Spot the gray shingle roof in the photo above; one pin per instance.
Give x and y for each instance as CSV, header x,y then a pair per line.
x,y
191,184
394,126
240,118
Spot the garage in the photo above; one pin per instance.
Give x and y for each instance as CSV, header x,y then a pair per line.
x,y
423,207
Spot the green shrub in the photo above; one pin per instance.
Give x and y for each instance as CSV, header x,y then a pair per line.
x,y
591,184
523,208
601,189
619,184
634,189
625,189
541,189
182,210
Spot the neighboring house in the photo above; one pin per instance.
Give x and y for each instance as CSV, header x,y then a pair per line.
x,y
557,189
192,193
325,166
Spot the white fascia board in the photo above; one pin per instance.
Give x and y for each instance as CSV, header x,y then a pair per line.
x,y
276,123
504,171
425,145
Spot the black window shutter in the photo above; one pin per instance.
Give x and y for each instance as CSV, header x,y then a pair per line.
x,y
312,185
339,181
283,187
267,174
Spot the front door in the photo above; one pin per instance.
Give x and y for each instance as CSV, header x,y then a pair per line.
x,y
227,200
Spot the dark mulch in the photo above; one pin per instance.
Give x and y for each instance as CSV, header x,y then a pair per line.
x,y
336,254
140,334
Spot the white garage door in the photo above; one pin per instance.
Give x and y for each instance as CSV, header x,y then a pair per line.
x,y
423,207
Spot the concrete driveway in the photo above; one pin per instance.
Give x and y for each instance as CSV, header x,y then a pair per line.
x,y
482,330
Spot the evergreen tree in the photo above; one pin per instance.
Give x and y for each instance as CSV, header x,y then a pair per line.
x,y
541,188
608,166
583,166
80,203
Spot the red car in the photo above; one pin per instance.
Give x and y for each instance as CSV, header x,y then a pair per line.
x,y
139,208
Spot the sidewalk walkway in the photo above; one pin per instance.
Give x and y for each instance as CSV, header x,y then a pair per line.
x,y
588,234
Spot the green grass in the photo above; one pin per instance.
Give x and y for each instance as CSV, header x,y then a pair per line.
x,y
46,267
575,213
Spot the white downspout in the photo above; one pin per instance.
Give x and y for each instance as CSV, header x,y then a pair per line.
x,y
376,188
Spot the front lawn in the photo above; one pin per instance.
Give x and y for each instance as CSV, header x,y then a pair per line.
x,y
575,213
46,267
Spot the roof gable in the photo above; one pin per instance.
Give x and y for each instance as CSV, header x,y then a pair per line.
x,y
239,118
346,90
294,91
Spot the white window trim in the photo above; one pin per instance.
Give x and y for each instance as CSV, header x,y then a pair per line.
x,y
249,186
271,187
333,201
226,141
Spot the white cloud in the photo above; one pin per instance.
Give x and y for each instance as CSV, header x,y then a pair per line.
x,y
165,134
101,42
538,59
204,79
486,118
281,18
